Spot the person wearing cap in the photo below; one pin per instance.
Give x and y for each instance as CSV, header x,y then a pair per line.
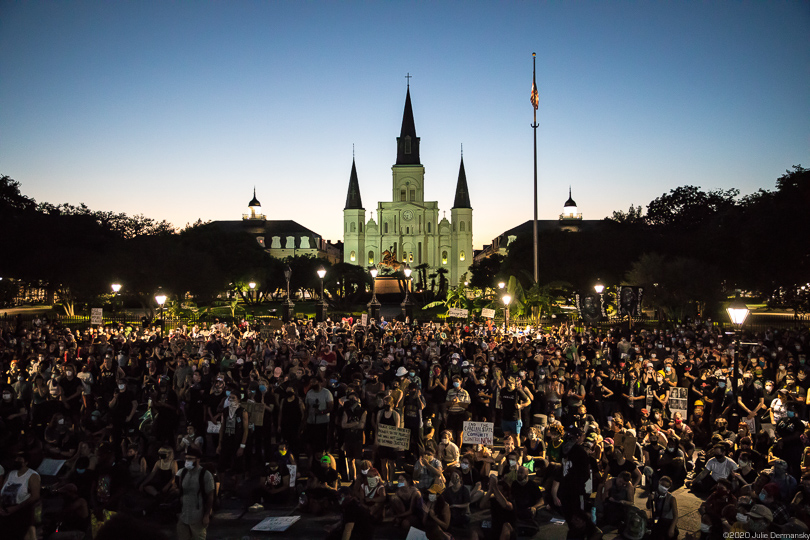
x,y
435,512
196,497
760,519
779,475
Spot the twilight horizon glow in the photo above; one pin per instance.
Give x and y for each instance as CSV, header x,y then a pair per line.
x,y
177,111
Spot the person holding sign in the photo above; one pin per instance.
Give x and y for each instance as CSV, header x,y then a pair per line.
x,y
458,399
387,416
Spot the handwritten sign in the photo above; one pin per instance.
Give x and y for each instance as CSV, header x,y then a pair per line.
x,y
488,313
364,319
478,432
276,524
393,437
96,315
416,534
255,413
458,313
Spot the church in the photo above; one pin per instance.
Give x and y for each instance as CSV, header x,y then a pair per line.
x,y
409,229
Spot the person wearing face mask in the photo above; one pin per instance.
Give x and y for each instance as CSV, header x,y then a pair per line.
x,y
275,489
746,473
458,400
12,412
160,481
717,468
196,487
353,421
233,440
291,415
789,445
447,451
355,522
403,503
71,391
513,400
458,499
770,498
434,512
663,508
18,499
319,403
374,495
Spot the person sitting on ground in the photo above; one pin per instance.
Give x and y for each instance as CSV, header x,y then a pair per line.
x,y
663,507
275,489
402,503
527,494
617,495
435,513
427,471
374,496
717,468
458,497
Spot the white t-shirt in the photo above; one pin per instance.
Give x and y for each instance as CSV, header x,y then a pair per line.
x,y
721,470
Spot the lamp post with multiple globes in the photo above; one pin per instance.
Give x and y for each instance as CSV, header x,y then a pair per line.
x,y
322,307
407,304
287,306
737,312
374,305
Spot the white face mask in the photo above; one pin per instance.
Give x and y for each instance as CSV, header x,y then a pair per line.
x,y
432,497
742,518
189,464
704,528
662,489
364,471
122,386
372,482
465,466
512,462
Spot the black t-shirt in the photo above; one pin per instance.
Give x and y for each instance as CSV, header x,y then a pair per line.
x,y
526,495
356,513
574,472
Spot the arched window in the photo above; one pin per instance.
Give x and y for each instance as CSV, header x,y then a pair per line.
x,y
402,195
407,230
353,227
461,256
413,194
444,257
353,256
370,257
361,226
410,256
462,226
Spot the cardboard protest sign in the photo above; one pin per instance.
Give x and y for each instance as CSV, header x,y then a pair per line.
x,y
677,401
458,313
276,524
96,315
393,437
293,474
488,313
478,432
628,442
255,412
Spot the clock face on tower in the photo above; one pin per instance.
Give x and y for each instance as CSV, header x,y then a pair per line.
x,y
407,215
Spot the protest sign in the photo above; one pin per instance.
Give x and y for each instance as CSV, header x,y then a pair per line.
x,y
416,534
96,315
293,473
364,319
458,313
478,432
255,412
393,437
276,524
488,313
677,401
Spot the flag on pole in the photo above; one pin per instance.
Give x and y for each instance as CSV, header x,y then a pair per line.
x,y
535,96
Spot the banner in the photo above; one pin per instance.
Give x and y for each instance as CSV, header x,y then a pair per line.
x,y
677,401
458,313
364,319
96,316
591,307
488,313
478,432
630,301
393,437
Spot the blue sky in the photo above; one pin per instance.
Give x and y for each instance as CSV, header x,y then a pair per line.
x,y
177,109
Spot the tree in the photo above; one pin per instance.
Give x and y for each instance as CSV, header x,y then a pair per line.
x,y
486,271
688,207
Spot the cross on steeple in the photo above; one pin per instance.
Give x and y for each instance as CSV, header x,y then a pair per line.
x,y
408,76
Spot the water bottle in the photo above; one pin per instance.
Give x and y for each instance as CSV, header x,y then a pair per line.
x,y
593,515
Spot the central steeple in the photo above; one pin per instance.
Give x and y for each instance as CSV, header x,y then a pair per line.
x,y
408,142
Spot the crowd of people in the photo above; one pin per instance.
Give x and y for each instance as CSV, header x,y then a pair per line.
x,y
586,422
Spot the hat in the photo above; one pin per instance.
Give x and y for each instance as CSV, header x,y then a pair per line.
x,y
401,371
436,488
772,489
698,403
609,441
762,512
465,363
645,411
779,464
455,355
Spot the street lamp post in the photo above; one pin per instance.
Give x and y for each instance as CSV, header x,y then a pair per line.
x,y
506,300
599,287
251,292
287,306
407,305
115,288
321,307
374,305
160,298
737,312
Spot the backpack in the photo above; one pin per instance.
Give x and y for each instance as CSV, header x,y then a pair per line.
x,y
201,487
635,526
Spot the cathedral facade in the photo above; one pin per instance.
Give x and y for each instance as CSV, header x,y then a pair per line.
x,y
408,229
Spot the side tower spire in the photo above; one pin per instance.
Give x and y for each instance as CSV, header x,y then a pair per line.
x,y
353,199
462,199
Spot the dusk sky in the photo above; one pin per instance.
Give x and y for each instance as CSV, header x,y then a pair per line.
x,y
176,110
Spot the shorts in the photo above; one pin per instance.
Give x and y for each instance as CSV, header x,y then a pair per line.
x,y
512,426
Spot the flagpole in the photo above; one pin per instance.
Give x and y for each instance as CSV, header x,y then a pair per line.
x,y
534,128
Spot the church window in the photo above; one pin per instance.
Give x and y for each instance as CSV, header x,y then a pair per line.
x,y
454,227
410,256
370,257
407,230
353,256
361,226
419,254
353,227
428,225
444,257
461,256
385,227
407,145
413,194
402,195
462,226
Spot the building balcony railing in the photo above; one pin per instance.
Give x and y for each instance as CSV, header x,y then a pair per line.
x,y
259,217
571,216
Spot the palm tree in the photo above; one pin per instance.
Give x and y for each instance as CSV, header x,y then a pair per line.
x,y
443,283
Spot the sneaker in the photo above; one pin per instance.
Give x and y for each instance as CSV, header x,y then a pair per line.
x,y
256,508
